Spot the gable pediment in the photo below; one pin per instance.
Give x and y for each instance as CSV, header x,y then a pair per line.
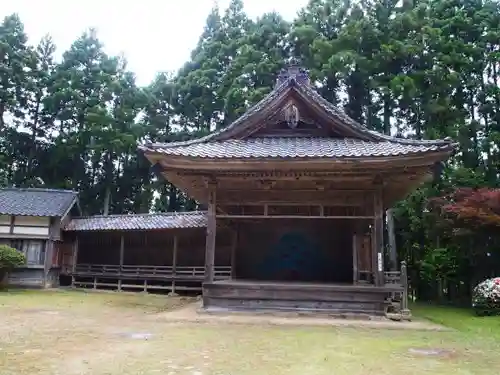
x,y
293,119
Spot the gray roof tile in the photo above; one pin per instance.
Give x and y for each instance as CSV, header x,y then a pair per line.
x,y
36,202
294,147
169,220
305,89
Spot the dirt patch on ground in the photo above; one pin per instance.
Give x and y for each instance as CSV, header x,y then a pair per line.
x,y
193,313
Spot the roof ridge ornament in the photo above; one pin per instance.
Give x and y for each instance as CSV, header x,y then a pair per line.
x,y
293,72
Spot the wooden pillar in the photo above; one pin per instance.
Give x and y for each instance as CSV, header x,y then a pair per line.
x,y
234,244
47,256
355,275
174,262
211,229
122,254
378,239
391,237
75,259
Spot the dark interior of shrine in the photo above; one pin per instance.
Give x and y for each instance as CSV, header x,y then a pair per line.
x,y
295,250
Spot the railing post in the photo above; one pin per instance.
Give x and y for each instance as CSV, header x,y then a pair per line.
x,y
405,312
174,262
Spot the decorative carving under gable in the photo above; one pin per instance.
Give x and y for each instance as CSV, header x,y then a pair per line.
x,y
292,115
292,119
301,113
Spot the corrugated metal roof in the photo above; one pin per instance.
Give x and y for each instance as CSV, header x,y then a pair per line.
x,y
170,220
36,202
295,147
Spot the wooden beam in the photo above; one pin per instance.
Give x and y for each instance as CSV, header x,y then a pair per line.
x,y
304,196
211,232
270,167
223,216
309,203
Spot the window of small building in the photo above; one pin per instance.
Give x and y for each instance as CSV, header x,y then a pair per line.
x,y
33,250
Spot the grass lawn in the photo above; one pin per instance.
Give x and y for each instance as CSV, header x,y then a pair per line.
x,y
70,332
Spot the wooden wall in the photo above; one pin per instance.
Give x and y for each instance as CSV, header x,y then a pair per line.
x,y
34,278
295,250
153,248
24,226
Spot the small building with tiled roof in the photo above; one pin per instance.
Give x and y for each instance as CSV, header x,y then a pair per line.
x,y
31,221
150,252
304,186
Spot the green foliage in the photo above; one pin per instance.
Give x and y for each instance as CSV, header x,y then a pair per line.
x,y
10,258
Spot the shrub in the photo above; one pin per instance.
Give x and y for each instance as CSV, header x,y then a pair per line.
x,y
486,297
9,258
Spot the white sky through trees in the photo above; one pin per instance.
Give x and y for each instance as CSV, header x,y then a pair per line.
x,y
154,35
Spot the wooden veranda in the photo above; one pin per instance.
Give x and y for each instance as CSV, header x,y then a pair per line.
x,y
304,188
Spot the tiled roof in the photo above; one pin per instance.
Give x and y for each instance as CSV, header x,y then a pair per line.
x,y
306,90
170,220
294,147
36,202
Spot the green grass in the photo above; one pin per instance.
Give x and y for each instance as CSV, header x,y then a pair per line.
x,y
461,319
82,300
69,332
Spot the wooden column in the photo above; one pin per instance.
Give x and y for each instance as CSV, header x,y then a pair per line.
x,y
174,262
391,237
355,275
234,244
378,239
47,261
211,229
122,254
75,259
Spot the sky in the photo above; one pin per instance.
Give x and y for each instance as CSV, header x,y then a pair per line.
x,y
154,35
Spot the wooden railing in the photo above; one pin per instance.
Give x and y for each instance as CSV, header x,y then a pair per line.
x,y
191,272
392,278
399,298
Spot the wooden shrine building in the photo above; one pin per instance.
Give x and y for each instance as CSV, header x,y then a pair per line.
x,y
304,188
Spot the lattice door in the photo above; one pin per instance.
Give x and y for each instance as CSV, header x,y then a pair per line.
x,y
363,266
